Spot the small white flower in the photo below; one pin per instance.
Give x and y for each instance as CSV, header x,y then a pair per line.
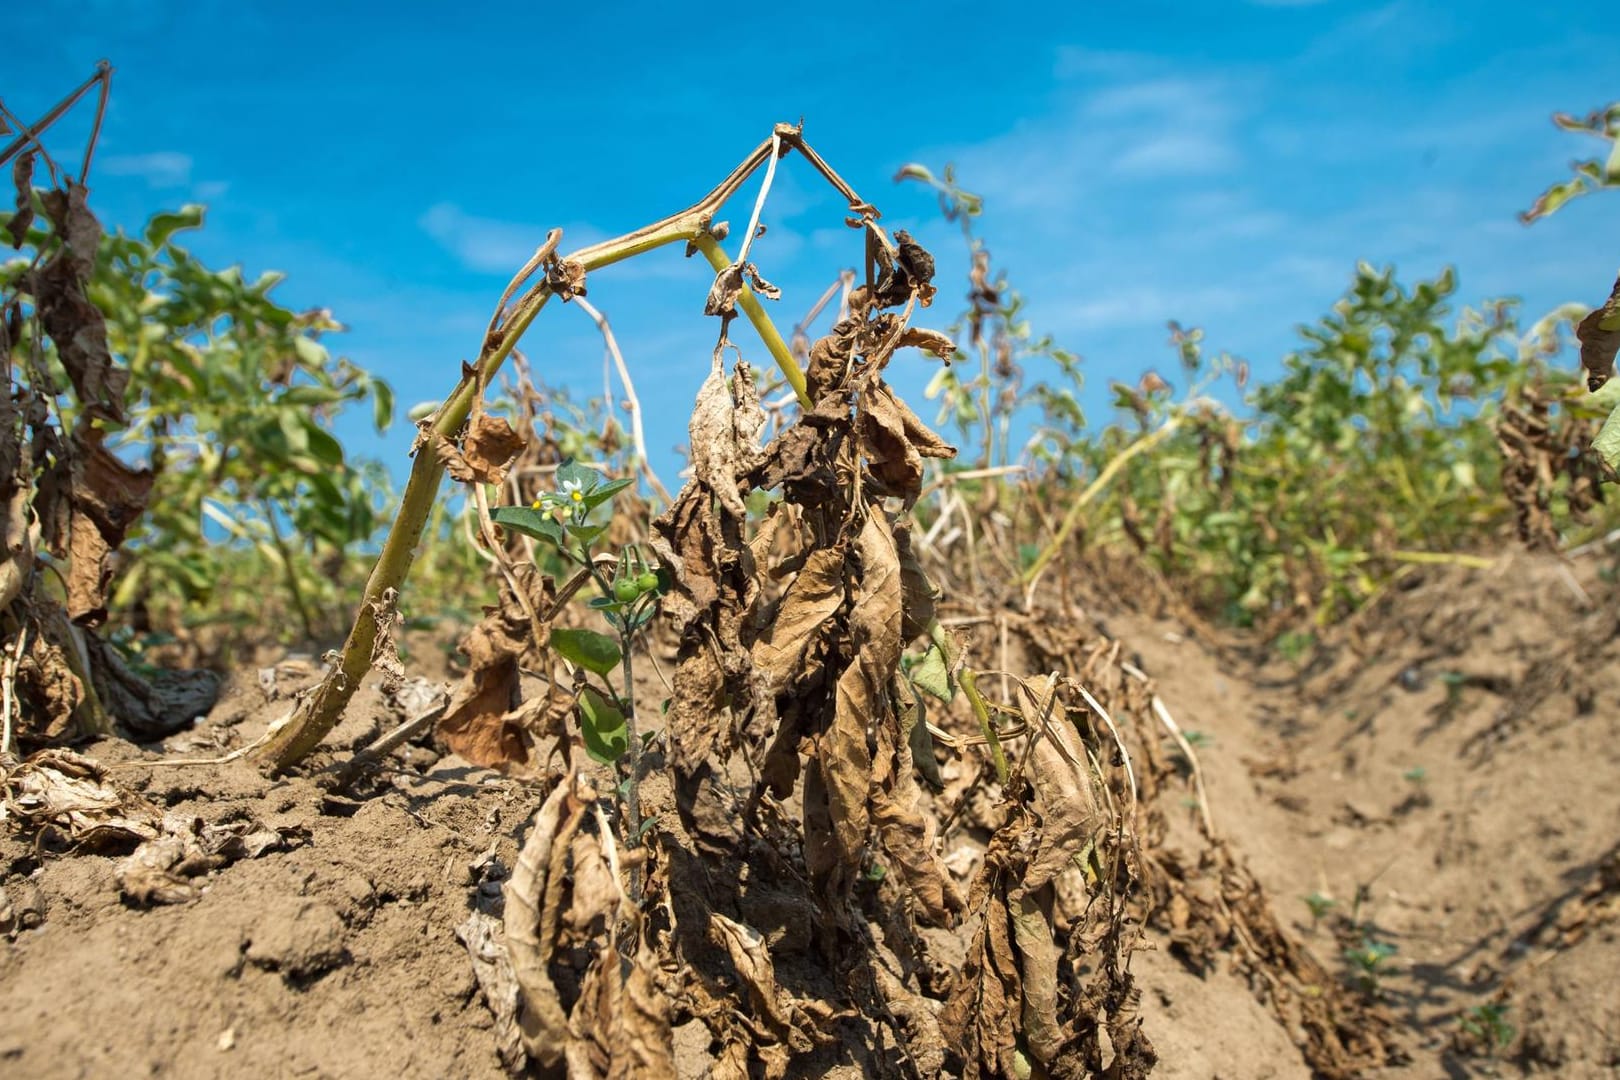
x,y
571,492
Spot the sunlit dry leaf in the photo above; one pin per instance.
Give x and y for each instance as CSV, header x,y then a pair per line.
x,y
813,597
74,793
724,431
529,944
487,449
861,695
1038,964
1599,335
753,964
918,337
895,442
486,946
1062,779
161,870
478,723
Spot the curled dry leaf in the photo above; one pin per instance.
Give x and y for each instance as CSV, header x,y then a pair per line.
x,y
724,432
107,497
728,285
918,337
482,722
70,792
486,450
486,947
561,900
895,442
161,869
815,595
1599,335
65,311
565,277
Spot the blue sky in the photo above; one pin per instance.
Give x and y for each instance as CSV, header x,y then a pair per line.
x,y
1223,164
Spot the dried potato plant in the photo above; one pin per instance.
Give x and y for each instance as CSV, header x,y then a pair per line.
x,y
793,899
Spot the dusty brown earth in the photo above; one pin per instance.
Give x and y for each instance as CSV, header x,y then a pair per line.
x,y
1440,775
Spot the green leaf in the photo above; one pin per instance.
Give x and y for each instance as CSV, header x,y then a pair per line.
x,y
585,534
166,224
600,494
530,522
311,395
602,723
571,471
311,353
932,675
590,650
1607,443
382,404
322,443
603,603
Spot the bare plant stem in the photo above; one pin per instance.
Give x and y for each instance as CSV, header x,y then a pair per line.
x,y
305,617
318,713
632,404
1095,488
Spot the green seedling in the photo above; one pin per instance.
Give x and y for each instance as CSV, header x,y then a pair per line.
x,y
1367,962
627,600
1320,905
1489,1027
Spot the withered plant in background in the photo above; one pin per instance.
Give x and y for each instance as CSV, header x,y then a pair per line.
x,y
68,500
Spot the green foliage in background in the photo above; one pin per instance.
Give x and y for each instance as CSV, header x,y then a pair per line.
x,y
255,505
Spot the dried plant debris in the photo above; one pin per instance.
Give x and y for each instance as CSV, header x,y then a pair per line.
x,y
583,1005
61,792
161,870
487,449
1205,901
1545,463
485,722
1599,335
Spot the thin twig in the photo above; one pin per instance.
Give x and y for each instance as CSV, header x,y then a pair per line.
x,y
31,133
1183,743
632,404
14,654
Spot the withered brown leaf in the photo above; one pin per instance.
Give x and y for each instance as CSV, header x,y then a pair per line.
x,y
814,597
485,452
724,432
1599,346
22,178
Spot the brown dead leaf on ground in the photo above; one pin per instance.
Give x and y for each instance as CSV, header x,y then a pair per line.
x,y
60,790
481,723
161,870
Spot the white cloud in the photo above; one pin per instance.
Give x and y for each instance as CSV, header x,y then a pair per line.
x,y
160,169
486,245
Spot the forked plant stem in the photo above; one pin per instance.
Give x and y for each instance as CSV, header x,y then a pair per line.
x,y
302,731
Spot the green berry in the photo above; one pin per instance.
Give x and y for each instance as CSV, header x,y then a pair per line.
x,y
647,582
626,590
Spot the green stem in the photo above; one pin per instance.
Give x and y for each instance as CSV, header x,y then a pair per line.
x,y
318,713
285,553
757,315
